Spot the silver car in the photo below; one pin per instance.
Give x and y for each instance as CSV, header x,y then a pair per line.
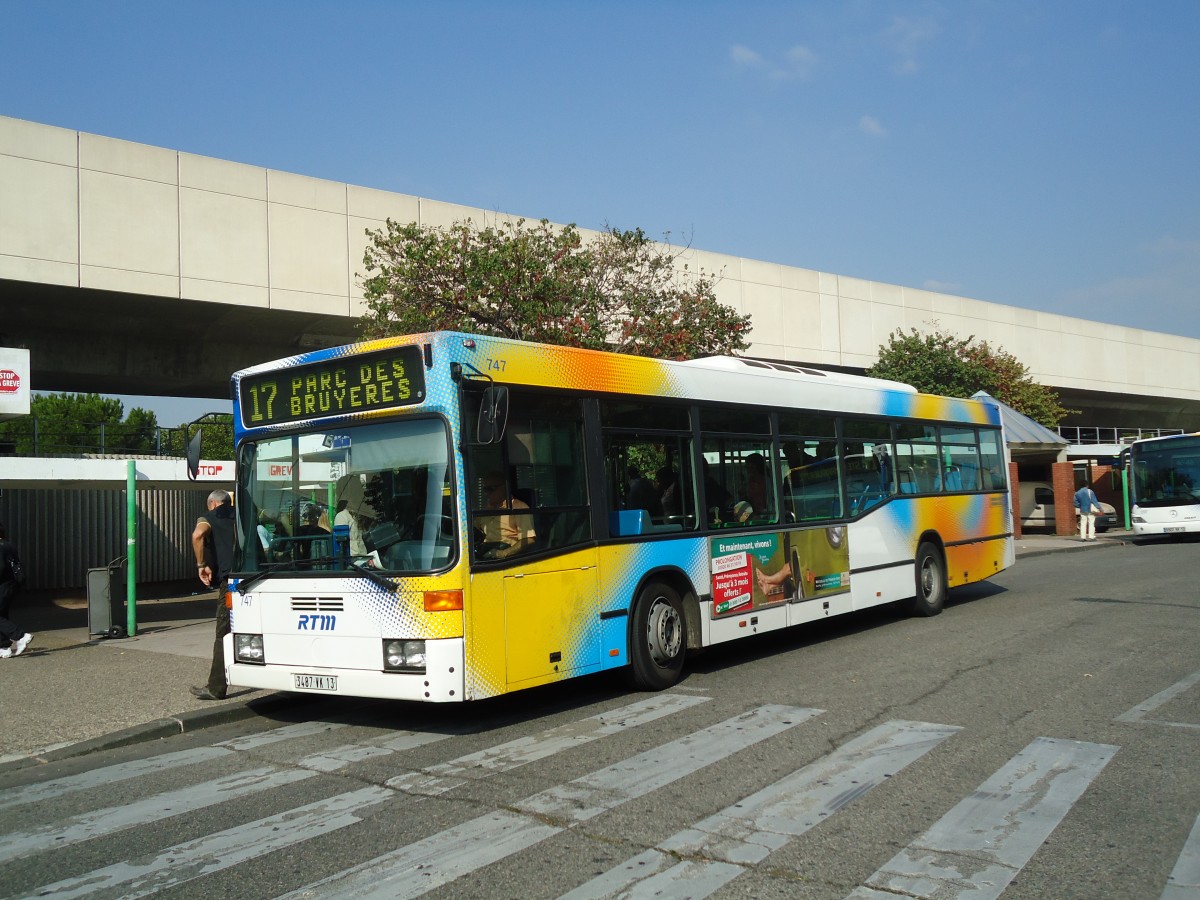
x,y
1037,508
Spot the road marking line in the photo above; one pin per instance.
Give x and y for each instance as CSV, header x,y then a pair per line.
x,y
101,822
748,831
283,733
1184,883
522,751
339,757
1138,713
225,849
441,858
163,805
108,775
977,848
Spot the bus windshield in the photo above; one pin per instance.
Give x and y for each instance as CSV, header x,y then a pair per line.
x,y
1167,472
376,496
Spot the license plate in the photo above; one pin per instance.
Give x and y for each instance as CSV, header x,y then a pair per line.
x,y
1172,529
315,682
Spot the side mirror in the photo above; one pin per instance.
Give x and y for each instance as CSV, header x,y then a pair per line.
x,y
193,455
493,416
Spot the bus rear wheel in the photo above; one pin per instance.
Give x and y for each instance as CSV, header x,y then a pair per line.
x,y
658,640
931,581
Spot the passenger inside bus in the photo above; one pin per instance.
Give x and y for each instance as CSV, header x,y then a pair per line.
x,y
503,534
641,494
757,489
717,500
312,547
666,481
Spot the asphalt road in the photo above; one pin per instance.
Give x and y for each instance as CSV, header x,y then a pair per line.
x,y
1039,739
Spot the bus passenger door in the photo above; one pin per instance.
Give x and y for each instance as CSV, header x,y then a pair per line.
x,y
551,624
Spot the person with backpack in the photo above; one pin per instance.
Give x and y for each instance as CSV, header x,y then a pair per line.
x,y
13,639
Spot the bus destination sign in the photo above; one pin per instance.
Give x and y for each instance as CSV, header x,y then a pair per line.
x,y
334,387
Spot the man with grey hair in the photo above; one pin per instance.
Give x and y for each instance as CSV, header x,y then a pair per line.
x,y
212,544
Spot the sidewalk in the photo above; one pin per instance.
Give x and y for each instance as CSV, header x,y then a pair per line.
x,y
69,694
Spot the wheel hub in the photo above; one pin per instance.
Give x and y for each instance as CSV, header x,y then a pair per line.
x,y
664,632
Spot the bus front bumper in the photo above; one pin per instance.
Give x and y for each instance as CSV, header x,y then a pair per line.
x,y
441,682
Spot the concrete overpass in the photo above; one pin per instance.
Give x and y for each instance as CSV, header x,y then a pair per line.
x,y
126,268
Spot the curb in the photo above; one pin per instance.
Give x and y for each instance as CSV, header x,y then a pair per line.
x,y
1111,542
195,720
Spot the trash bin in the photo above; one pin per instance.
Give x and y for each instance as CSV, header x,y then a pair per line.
x,y
106,599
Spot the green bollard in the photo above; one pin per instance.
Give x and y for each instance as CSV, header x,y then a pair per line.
x,y
131,544
1125,494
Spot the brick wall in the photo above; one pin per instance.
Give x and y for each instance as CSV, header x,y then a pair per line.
x,y
1102,484
1063,481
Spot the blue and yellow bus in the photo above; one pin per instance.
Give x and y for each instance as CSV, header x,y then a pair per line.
x,y
447,517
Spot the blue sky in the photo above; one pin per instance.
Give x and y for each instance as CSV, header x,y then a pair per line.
x,y
1039,154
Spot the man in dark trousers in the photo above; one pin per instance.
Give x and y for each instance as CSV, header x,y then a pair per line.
x,y
212,542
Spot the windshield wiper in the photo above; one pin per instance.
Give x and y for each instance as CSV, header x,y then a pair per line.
x,y
244,583
373,575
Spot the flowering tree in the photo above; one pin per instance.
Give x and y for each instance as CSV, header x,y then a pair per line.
x,y
943,363
620,292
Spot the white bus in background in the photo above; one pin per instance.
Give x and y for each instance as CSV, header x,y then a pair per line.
x,y
1164,484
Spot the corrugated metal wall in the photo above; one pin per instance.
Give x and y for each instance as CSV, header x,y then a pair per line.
x,y
62,532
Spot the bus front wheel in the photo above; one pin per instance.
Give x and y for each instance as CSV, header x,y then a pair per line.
x,y
657,638
931,581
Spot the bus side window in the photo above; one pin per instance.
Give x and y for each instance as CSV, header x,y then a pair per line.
x,y
648,467
812,488
542,466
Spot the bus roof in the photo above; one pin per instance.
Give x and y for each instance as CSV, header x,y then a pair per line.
x,y
720,379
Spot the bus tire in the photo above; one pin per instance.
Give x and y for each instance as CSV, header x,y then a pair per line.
x,y
931,581
657,639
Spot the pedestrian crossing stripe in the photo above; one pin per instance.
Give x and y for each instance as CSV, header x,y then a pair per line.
x,y
143,812
697,861
443,857
1184,883
983,842
1010,815
522,751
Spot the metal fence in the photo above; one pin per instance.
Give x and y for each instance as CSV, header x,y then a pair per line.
x,y
62,532
1093,435
34,436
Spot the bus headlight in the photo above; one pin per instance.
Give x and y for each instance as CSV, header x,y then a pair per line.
x,y
248,648
403,656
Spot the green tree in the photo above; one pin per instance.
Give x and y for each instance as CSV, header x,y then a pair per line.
x,y
216,437
943,363
1012,384
138,433
620,292
68,424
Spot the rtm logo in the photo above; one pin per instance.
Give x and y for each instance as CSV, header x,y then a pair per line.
x,y
317,623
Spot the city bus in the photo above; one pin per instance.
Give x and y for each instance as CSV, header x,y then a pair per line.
x,y
446,517
1164,484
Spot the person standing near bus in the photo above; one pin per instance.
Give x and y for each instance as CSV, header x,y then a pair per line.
x,y
1087,506
13,638
212,543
